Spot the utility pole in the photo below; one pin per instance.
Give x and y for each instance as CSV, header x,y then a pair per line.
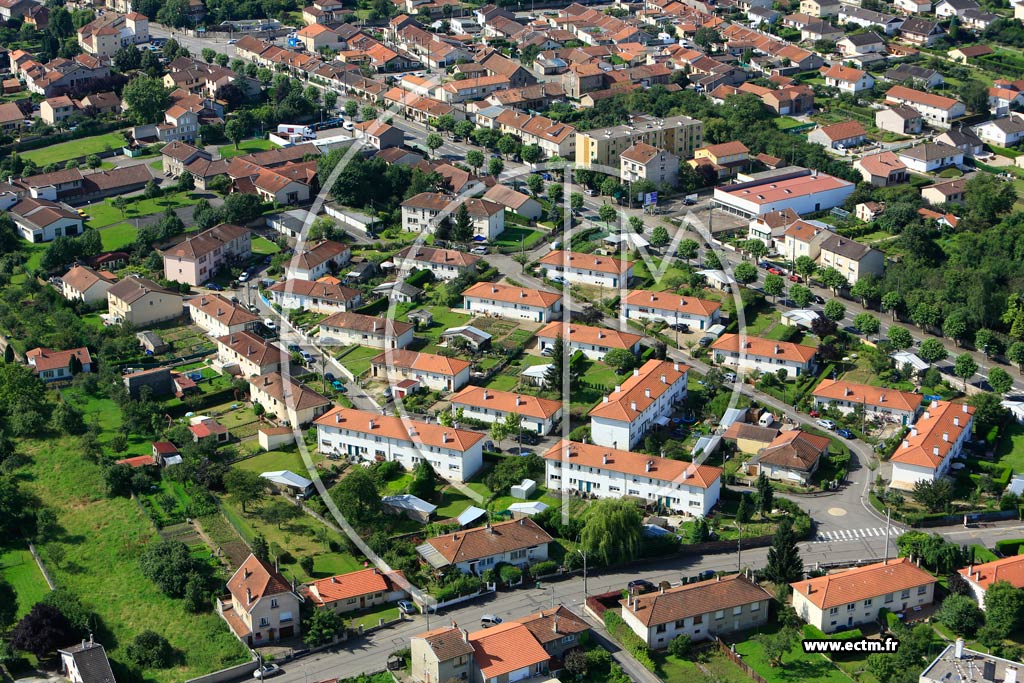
x,y
885,558
739,548
584,556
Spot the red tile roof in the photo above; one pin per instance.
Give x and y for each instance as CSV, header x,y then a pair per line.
x,y
765,348
400,429
256,579
862,583
640,390
344,586
880,397
486,541
636,464
506,648
695,599
585,334
507,402
934,434
1010,569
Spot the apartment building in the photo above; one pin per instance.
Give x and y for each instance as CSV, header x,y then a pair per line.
x,y
594,342
853,259
764,355
876,402
936,110
647,398
445,264
196,259
646,162
423,211
290,401
677,135
434,372
934,441
347,329
514,303
84,284
538,415
674,309
586,269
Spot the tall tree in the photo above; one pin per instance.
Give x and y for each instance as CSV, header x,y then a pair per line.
x,y
462,227
612,529
146,99
765,494
42,631
773,285
932,351
1004,608
784,562
964,367
245,485
356,496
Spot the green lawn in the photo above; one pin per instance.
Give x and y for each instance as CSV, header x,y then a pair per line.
x,y
454,502
444,318
272,461
104,213
672,669
105,538
19,569
786,122
796,667
503,382
357,360
1010,450
245,147
118,236
371,617
600,374
75,148
263,246
518,237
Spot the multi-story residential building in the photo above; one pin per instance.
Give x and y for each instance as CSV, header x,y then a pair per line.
x,y
517,202
838,602
263,608
356,590
682,487
538,415
141,302
104,36
443,654
874,401
764,355
554,138
882,169
699,610
53,110
979,577
520,542
196,259
901,119
420,213
675,309
321,259
955,658
217,316
646,162
507,652
367,330
514,303
594,342
456,92
289,400
802,190
319,296
934,441
678,135
936,110
362,436
445,264
819,8
586,269
723,160
792,457
437,373
52,366
848,79
647,398
770,228
853,259
252,354
84,284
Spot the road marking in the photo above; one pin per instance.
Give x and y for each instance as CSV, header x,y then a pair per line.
x,y
842,535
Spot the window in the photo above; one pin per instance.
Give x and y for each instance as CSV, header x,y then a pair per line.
x,y
660,628
680,623
273,603
867,603
755,606
834,611
720,614
738,609
699,619
851,607
921,590
905,594
264,621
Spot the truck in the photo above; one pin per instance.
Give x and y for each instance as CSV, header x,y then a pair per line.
x,y
289,129
690,199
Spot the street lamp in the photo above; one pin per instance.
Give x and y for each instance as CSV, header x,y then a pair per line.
x,y
584,556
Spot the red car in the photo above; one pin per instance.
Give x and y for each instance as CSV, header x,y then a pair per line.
x,y
795,278
774,271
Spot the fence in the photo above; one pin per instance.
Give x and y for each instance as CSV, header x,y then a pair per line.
x,y
42,567
738,661
229,674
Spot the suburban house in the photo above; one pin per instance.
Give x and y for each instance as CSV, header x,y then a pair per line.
x,y
355,328
935,439
723,160
919,31
287,399
321,259
217,316
516,202
936,110
901,119
84,284
750,438
421,213
539,415
434,372
674,309
839,135
86,662
980,576
848,79
262,607
764,355
791,457
519,542
853,259
445,264
803,238
196,259
701,610
251,354
208,429
321,296
964,139
361,436
54,366
946,191
771,227
838,602
860,44
646,162
930,157
647,398
594,342
443,654
1005,132
141,302
676,485
514,303
874,401
42,220
882,169
586,269
507,652
907,73
356,590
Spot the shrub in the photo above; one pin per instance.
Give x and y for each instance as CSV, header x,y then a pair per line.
x,y
511,575
1009,546
150,650
543,568
628,639
680,646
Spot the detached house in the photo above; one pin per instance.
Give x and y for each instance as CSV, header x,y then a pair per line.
x,y
646,162
445,264
251,354
838,602
680,486
367,330
84,284
882,170
262,608
791,457
289,400
319,260
217,316
936,110
839,135
853,259
141,302
514,303
320,296
586,269
901,119
520,542
437,373
848,79
53,366
507,652
362,436
645,400
674,309
197,259
594,342
701,610
980,576
538,415
934,441
355,590
764,355
443,654
931,157
1005,132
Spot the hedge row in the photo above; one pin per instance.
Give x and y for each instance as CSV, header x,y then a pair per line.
x,y
812,632
621,632
1009,546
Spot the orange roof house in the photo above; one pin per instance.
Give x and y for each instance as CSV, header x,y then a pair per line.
x,y
980,576
355,590
671,308
764,355
934,440
847,395
507,648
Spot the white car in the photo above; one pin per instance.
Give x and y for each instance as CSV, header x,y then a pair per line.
x,y
478,250
349,126
267,671
827,424
270,324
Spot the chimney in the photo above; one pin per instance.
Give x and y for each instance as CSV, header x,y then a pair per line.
x,y
647,466
371,423
334,579
647,393
220,311
248,594
636,372
958,649
487,526
935,450
554,624
676,367
687,474
444,437
913,431
604,459
956,421
249,352
519,400
945,436
965,408
662,587
266,381
808,588
881,397
1010,675
618,388
337,418
906,444
233,339
83,643
465,636
653,297
600,335
664,379
485,394
632,405
847,391
776,348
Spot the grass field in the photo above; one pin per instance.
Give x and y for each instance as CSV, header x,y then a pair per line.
x,y
357,360
518,237
371,617
19,569
444,318
796,665
278,460
107,539
104,213
1010,450
74,149
118,235
263,246
245,147
675,670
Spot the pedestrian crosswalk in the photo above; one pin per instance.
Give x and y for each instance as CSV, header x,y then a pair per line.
x,y
840,535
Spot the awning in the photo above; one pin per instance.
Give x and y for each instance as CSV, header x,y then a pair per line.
x,y
470,515
663,421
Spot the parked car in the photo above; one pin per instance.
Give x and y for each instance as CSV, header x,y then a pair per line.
x,y
270,324
641,586
589,192
826,424
706,341
406,607
213,286
307,356
818,299
329,376
730,377
244,277
489,620
775,271
845,433
795,278
480,251
339,387
293,348
520,451
680,327
267,671
762,264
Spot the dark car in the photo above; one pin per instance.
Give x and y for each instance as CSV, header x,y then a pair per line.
x,y
818,299
705,341
294,347
215,287
641,586
845,433
764,264
329,376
